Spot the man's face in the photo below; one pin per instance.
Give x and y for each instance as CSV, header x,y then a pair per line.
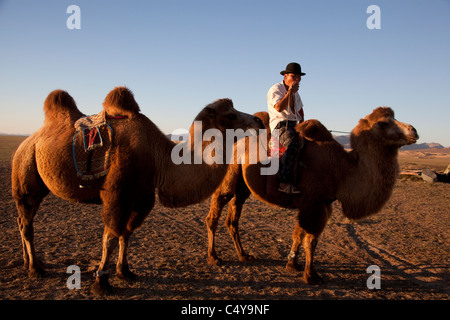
x,y
291,79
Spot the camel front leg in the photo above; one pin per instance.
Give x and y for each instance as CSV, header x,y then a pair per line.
x,y
218,201
310,275
143,205
122,269
232,223
311,223
101,285
297,239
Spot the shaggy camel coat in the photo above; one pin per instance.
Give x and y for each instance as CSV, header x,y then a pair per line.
x,y
140,164
362,180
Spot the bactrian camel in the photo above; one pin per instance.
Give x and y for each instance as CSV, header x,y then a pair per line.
x,y
362,180
140,163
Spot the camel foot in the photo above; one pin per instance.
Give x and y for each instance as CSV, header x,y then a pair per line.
x,y
101,286
293,266
214,261
247,258
126,274
36,272
312,279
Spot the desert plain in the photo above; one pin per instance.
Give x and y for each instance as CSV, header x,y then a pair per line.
x,y
408,240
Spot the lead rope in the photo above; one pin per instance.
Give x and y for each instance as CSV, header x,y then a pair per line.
x,y
289,110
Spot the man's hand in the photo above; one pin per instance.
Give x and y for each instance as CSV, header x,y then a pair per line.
x,y
288,99
293,88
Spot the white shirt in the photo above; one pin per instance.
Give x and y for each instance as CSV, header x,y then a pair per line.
x,y
275,94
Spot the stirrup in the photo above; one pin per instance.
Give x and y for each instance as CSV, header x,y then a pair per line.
x,y
288,188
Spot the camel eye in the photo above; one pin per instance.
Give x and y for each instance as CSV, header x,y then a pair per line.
x,y
382,124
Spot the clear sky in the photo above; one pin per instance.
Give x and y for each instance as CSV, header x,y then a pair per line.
x,y
178,56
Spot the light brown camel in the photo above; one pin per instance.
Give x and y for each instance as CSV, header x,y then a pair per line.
x,y
362,180
140,163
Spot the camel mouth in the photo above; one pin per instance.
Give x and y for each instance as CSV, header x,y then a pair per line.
x,y
412,140
412,137
409,132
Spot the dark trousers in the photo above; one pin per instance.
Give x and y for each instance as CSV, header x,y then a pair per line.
x,y
290,139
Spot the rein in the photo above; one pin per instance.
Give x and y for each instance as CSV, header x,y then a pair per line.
x,y
339,131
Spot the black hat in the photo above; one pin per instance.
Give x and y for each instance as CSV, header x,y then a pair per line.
x,y
294,68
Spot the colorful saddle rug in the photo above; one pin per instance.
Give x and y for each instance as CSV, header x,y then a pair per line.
x,y
276,149
91,146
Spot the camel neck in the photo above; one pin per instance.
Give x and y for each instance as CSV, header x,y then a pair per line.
x,y
194,169
368,181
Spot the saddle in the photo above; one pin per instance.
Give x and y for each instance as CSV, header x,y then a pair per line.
x,y
91,146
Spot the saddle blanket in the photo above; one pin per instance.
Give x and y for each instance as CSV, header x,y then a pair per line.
x,y
91,146
276,149
89,126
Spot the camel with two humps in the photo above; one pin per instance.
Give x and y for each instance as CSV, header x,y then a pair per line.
x,y
140,163
361,179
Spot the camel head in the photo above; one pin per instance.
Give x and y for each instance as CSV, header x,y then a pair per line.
x,y
120,102
381,127
222,115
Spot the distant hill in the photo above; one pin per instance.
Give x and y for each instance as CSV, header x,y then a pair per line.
x,y
13,134
417,146
345,142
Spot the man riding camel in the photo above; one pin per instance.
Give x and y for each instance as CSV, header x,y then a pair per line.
x,y
285,112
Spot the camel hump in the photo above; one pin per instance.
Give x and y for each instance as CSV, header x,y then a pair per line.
x,y
59,102
314,130
120,102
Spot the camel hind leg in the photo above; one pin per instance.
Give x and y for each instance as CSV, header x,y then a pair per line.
x,y
28,191
27,208
25,222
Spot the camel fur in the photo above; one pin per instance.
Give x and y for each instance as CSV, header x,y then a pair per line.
x,y
140,164
362,180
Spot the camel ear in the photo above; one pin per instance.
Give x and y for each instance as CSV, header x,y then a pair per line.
x,y
364,124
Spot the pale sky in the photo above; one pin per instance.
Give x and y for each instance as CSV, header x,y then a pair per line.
x,y
178,56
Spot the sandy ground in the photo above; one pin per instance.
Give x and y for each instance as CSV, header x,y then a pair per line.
x,y
408,240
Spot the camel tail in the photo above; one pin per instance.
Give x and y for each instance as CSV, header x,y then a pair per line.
x,y
120,102
59,102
